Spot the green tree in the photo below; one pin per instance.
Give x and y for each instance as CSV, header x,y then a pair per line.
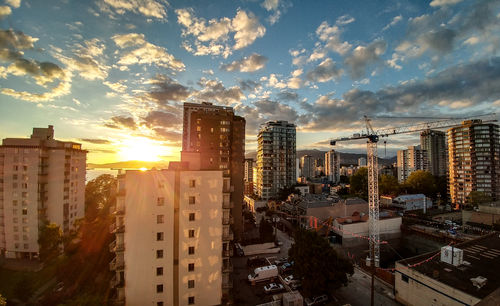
x,y
99,196
321,268
359,183
421,182
266,230
477,197
344,179
49,239
388,185
3,301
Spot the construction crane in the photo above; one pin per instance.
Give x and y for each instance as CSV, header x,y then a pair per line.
x,y
372,137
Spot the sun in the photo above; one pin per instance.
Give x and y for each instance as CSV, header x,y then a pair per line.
x,y
143,149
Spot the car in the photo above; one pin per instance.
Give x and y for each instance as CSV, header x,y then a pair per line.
x,y
295,284
287,280
317,300
273,287
287,266
280,261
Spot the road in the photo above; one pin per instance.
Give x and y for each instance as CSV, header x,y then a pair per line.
x,y
358,291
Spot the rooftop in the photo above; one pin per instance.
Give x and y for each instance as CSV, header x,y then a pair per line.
x,y
324,200
483,254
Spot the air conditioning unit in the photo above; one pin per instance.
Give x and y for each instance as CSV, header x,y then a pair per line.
x,y
452,255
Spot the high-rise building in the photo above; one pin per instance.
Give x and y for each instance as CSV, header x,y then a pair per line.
x,y
248,177
307,166
332,166
361,162
411,160
474,160
41,180
219,136
276,156
170,230
434,143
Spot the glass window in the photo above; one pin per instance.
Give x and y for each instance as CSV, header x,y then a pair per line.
x,y
159,219
192,183
159,236
160,201
191,250
191,300
192,200
191,283
191,233
191,217
191,267
159,288
159,271
159,253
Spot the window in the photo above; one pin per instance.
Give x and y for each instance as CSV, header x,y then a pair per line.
x,y
159,304
25,211
26,246
192,200
14,203
159,271
159,219
191,283
192,183
191,250
14,185
198,128
159,236
191,300
160,201
191,233
191,217
405,278
159,253
159,288
191,267
14,176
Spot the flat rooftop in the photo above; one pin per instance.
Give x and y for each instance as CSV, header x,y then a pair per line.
x,y
482,253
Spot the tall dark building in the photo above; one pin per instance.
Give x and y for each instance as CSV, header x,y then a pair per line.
x,y
218,135
434,143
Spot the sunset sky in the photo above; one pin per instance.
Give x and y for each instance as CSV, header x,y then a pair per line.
x,y
113,74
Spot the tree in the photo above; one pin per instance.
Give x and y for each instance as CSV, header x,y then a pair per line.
x,y
421,182
477,197
388,185
359,183
344,179
266,230
3,301
24,289
99,196
321,268
49,239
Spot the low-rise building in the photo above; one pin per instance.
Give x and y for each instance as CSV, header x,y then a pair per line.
x,y
303,189
463,274
251,203
411,202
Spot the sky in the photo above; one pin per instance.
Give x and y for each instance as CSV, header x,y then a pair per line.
x,y
113,74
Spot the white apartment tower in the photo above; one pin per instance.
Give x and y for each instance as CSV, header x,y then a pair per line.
x,y
276,154
170,226
332,166
41,180
411,160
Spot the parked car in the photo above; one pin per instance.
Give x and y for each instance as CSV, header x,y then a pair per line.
x,y
317,300
287,280
273,287
287,266
295,284
263,274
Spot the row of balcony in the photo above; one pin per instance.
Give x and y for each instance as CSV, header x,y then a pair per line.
x,y
227,204
117,264
116,247
227,253
227,236
227,282
114,228
227,267
227,220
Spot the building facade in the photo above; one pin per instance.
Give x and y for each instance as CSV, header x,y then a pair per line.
x,y
434,143
42,180
332,166
307,166
411,160
218,135
248,177
170,229
276,154
474,160
361,162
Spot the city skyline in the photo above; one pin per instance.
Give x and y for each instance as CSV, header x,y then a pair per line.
x,y
114,75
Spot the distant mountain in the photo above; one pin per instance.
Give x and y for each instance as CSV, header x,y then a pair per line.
x,y
131,164
345,158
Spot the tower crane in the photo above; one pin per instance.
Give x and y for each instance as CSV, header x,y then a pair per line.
x,y
372,137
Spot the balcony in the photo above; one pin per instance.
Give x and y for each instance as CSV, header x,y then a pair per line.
x,y
114,282
227,204
116,247
227,220
114,228
116,265
227,282
227,253
228,236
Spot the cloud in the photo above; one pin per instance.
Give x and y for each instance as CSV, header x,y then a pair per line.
x,y
166,89
159,119
95,141
249,85
120,122
173,137
4,11
247,64
13,3
327,70
270,5
345,19
118,87
277,7
17,40
362,57
145,52
274,82
214,91
394,21
213,37
444,2
330,35
288,96
148,8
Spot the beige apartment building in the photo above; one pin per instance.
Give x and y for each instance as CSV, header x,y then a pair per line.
x,y
41,180
332,166
411,160
170,226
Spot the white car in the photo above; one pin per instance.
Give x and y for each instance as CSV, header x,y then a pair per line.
x,y
273,287
287,280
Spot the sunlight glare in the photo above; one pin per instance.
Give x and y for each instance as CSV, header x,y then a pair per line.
x,y
142,149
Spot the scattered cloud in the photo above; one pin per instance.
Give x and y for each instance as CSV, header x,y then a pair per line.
x,y
95,140
363,56
394,21
345,19
4,11
330,36
148,8
249,85
214,91
145,53
159,119
213,37
121,122
247,64
326,71
165,89
444,2
277,7
14,3
16,40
